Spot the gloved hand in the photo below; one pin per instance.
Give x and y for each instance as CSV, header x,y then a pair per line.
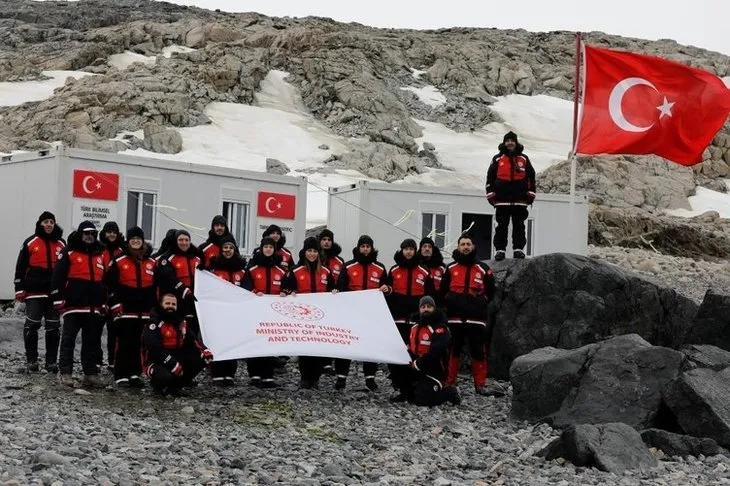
x,y
490,198
20,296
59,304
207,356
530,197
177,370
117,311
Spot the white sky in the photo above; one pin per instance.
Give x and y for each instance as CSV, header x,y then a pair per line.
x,y
702,23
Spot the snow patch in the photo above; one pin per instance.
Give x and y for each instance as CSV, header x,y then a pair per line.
x,y
429,95
706,200
17,93
127,58
170,50
416,73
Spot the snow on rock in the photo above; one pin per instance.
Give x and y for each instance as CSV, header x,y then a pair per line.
x,y
429,95
127,58
706,200
170,50
417,73
17,93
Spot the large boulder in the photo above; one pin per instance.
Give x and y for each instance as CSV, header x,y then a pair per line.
x,y
567,301
612,447
618,380
678,445
705,356
712,323
161,139
699,400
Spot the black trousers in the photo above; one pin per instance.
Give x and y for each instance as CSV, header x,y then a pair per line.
x,y
162,379
111,340
36,310
310,367
418,388
224,369
262,368
503,215
90,324
342,368
128,351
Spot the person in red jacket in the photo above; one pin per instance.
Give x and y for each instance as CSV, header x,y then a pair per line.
x,y
79,292
33,272
333,261
133,293
212,246
113,243
172,352
274,232
408,281
307,277
429,256
176,275
468,285
264,276
510,189
423,382
363,272
231,267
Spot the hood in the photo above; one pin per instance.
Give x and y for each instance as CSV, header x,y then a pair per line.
x,y
401,261
518,149
258,258
334,251
233,264
469,259
55,235
119,243
192,251
145,251
214,238
75,244
436,260
362,259
167,242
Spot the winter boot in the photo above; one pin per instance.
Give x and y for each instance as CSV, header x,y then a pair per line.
x,y
518,254
499,255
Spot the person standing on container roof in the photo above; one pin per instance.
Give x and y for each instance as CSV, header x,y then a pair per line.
x,y
510,189
212,246
113,243
33,271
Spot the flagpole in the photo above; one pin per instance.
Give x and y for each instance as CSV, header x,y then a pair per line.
x,y
576,100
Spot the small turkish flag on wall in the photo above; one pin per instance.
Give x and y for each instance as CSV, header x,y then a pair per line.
x,y
276,205
96,185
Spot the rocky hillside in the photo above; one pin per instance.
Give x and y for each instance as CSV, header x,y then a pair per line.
x,y
350,77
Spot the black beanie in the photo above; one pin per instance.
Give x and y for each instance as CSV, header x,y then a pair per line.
x,y
228,239
110,226
311,243
428,241
272,229
86,226
427,300
46,215
267,241
408,243
218,220
365,240
325,233
510,136
135,232
181,232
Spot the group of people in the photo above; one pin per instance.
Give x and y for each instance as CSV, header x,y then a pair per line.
x,y
146,299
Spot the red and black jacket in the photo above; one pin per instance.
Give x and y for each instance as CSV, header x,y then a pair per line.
x,y
209,250
78,278
176,275
306,278
468,286
287,258
430,345
362,272
36,261
132,283
264,274
332,260
436,268
114,248
232,270
408,282
510,178
165,339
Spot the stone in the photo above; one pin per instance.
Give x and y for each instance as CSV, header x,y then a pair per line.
x,y
274,166
50,458
429,147
187,410
711,325
567,301
324,146
678,445
698,399
617,380
161,139
81,391
705,356
612,447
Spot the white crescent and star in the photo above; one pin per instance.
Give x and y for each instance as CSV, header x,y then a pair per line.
x,y
85,187
268,203
617,96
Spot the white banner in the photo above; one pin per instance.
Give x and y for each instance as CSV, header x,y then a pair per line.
x,y
238,324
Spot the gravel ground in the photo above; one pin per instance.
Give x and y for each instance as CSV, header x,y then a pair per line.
x,y
51,435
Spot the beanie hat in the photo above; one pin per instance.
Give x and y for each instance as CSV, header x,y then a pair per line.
x,y
426,241
311,243
408,243
510,136
219,220
267,241
46,215
228,239
427,300
181,232
325,233
272,229
110,226
365,240
86,226
135,232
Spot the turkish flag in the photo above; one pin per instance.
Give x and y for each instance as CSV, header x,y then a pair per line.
x,y
96,185
636,104
275,205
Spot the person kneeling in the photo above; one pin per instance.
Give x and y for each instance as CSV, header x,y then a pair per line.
x,y
173,353
422,382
